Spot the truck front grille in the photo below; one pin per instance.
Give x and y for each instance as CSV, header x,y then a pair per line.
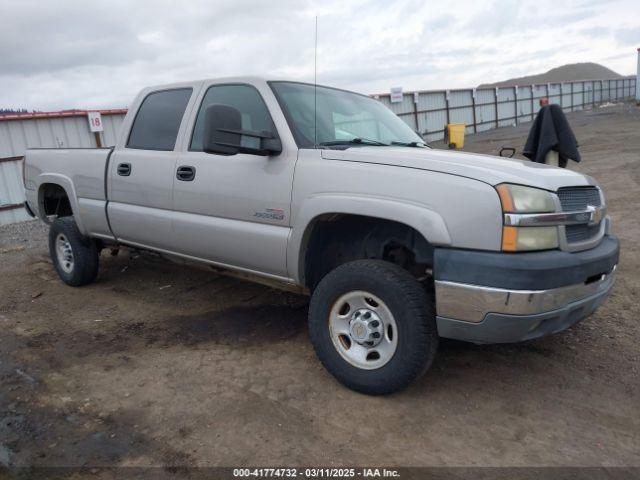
x,y
576,199
580,233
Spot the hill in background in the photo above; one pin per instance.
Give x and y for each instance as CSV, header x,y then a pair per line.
x,y
565,73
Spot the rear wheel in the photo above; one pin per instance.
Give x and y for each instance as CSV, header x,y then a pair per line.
x,y
373,326
74,256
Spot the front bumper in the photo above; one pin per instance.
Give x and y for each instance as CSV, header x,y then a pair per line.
x,y
485,297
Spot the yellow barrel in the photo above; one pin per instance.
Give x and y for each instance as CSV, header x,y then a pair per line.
x,y
455,135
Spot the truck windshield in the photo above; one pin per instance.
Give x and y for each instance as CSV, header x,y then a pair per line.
x,y
342,119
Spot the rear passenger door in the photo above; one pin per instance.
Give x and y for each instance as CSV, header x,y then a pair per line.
x,y
235,209
142,171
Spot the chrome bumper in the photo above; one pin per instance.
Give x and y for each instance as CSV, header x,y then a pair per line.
x,y
472,303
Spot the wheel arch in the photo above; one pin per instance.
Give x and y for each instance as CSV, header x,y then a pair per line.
x,y
412,226
54,186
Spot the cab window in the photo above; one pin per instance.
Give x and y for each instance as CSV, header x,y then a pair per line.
x,y
158,120
245,98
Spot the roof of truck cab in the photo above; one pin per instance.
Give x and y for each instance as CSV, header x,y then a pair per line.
x,y
235,79
250,79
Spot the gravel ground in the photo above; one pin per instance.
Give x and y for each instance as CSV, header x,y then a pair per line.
x,y
162,365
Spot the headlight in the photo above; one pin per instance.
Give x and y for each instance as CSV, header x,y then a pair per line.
x,y
520,199
520,239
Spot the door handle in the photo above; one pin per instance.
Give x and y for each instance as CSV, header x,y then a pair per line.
x,y
124,169
186,173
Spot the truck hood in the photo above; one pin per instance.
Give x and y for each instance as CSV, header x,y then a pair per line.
x,y
485,168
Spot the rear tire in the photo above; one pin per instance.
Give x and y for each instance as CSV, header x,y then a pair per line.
x,y
74,256
345,316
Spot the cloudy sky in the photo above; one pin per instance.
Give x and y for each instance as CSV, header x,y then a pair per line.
x,y
98,54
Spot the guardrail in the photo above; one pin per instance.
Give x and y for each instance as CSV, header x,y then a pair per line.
x,y
429,111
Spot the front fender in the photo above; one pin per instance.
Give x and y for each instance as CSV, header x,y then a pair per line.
x,y
426,221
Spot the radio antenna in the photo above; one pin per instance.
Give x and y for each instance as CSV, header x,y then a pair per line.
x,y
315,89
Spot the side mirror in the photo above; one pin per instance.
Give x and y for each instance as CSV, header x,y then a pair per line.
x,y
223,134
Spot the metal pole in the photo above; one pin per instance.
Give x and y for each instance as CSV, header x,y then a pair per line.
x,y
571,95
638,80
473,105
532,86
515,94
446,106
446,102
416,95
547,90
496,106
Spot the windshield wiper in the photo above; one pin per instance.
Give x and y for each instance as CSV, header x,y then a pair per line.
x,y
353,141
409,144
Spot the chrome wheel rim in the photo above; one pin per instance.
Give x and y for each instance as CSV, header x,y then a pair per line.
x,y
64,253
363,330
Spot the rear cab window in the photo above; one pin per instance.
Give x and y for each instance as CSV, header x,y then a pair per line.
x,y
158,120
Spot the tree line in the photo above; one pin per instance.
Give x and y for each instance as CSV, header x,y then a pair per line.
x,y
16,111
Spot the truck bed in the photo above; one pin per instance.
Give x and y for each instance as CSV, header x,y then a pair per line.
x,y
81,172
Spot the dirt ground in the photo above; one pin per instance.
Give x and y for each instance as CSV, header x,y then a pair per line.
x,y
157,364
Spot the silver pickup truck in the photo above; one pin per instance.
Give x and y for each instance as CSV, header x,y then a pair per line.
x,y
327,192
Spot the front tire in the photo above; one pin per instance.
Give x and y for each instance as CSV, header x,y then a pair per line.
x,y
373,326
74,256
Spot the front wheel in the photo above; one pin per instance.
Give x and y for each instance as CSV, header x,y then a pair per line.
x,y
74,256
373,326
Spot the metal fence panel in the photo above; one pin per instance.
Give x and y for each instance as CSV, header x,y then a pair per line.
x,y
597,91
13,216
461,108
588,93
554,93
607,84
66,132
17,135
577,100
524,105
506,98
10,182
566,96
429,112
11,193
485,109
432,117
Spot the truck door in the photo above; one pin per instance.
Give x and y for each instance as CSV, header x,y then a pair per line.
x,y
142,173
234,209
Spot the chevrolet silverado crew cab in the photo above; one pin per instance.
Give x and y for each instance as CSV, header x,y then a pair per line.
x,y
327,192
